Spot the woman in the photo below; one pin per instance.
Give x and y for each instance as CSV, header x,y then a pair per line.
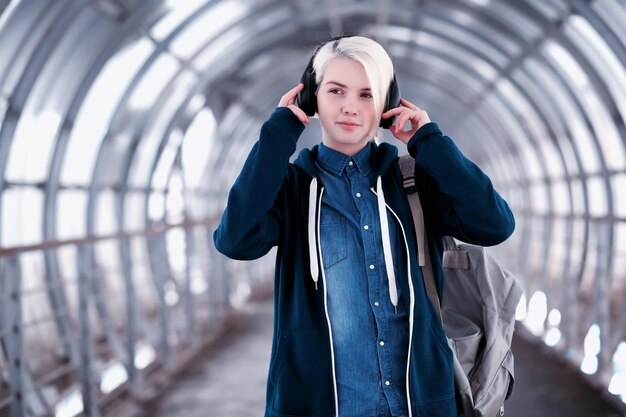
x,y
354,332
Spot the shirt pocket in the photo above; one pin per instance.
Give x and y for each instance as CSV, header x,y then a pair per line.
x,y
333,237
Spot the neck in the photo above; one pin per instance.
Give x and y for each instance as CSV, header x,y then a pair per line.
x,y
346,149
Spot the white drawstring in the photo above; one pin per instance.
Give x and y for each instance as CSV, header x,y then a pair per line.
x,y
384,230
312,231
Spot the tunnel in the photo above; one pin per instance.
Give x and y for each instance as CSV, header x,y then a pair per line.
x,y
125,123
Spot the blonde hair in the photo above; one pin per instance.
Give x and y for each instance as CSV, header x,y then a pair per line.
x,y
369,53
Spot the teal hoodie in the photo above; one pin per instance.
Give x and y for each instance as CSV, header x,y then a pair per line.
x,y
272,203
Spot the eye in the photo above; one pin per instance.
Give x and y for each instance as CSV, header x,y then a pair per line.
x,y
335,91
367,95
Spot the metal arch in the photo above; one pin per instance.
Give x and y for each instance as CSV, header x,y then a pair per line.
x,y
585,10
539,98
546,183
591,73
155,250
55,166
19,95
132,312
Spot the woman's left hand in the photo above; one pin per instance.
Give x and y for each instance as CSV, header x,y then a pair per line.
x,y
407,112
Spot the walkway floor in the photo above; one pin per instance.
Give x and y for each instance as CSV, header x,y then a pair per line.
x,y
228,380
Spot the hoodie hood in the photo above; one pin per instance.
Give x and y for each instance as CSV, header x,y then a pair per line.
x,y
383,156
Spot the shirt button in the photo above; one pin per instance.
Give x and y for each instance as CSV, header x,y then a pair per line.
x,y
372,267
366,227
376,303
382,343
358,195
387,383
350,163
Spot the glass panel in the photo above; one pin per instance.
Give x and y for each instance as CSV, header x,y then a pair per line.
x,y
457,53
29,155
522,26
6,14
465,20
179,11
543,87
215,51
618,281
94,118
618,186
528,156
134,210
166,160
69,278
206,26
587,285
579,197
153,81
466,38
536,250
71,214
571,72
557,255
176,252
539,199
175,203
4,105
67,266
613,13
106,213
111,283
144,162
597,197
560,197
22,216
609,69
142,276
197,146
533,126
551,9
156,206
42,340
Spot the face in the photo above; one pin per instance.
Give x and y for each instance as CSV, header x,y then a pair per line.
x,y
345,106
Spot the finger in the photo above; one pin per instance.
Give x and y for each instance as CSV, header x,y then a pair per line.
x,y
401,122
290,96
394,111
300,114
408,104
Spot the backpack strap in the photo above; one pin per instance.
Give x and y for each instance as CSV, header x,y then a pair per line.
x,y
407,166
454,257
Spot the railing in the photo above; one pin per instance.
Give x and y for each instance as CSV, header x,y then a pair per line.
x,y
94,324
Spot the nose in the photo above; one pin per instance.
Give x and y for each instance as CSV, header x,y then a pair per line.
x,y
350,106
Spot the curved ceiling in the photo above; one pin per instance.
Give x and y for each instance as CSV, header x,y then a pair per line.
x,y
110,108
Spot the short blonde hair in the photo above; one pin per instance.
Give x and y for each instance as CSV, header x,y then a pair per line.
x,y
367,52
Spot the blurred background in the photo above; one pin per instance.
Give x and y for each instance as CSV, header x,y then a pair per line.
x,y
124,123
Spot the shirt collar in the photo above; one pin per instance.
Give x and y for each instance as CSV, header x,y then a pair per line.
x,y
335,162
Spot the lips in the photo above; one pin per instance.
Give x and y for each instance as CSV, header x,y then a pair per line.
x,y
348,123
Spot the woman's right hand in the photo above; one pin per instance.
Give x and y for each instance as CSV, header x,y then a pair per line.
x,y
289,100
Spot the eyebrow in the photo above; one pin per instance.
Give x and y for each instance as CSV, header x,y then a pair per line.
x,y
345,86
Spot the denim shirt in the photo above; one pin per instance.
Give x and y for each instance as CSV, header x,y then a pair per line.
x,y
370,338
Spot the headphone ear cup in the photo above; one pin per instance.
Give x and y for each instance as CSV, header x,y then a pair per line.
x,y
306,97
392,101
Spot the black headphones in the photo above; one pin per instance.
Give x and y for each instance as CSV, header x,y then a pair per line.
x,y
307,100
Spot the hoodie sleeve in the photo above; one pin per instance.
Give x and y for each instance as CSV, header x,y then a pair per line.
x,y
456,193
250,225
